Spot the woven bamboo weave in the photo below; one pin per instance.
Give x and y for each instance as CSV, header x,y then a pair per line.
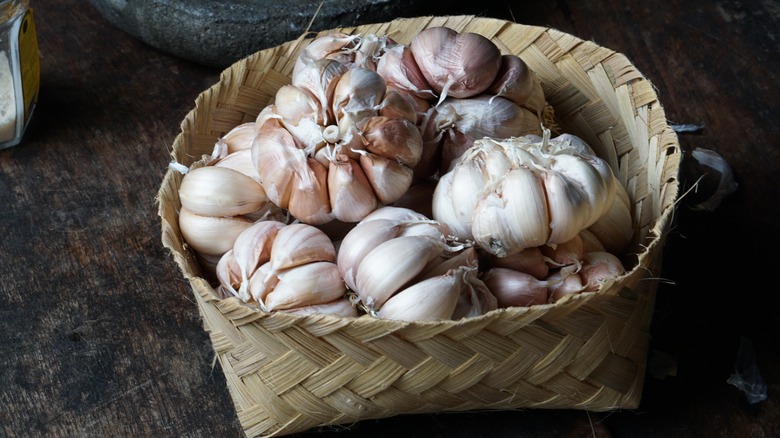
x,y
289,373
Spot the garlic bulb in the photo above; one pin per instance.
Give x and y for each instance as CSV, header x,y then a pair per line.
x,y
282,267
540,192
336,144
392,248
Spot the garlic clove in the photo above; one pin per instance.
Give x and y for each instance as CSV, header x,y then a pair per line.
x,y
240,137
358,92
240,161
388,178
429,300
446,262
530,261
298,244
443,208
473,118
220,191
337,46
594,178
598,267
395,139
210,235
590,242
399,68
358,242
563,282
517,82
320,78
513,215
305,285
514,288
569,252
475,298
397,105
398,214
309,201
275,153
392,264
229,274
350,193
252,248
568,207
261,283
455,64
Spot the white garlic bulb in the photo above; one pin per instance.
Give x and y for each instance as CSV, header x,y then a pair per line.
x,y
544,191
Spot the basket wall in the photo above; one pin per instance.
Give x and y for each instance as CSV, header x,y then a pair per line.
x,y
290,373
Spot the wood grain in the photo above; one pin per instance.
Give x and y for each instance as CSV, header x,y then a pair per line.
x,y
101,336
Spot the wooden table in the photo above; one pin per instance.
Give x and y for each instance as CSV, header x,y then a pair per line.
x,y
100,333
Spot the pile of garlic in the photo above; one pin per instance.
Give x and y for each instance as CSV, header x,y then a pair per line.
x,y
432,163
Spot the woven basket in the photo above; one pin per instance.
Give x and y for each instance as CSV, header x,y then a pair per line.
x,y
288,373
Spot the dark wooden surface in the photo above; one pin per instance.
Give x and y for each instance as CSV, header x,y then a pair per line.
x,y
100,334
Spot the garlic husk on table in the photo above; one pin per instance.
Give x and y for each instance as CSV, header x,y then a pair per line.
x,y
535,191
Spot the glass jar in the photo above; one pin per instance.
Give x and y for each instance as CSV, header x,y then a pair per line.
x,y
19,70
